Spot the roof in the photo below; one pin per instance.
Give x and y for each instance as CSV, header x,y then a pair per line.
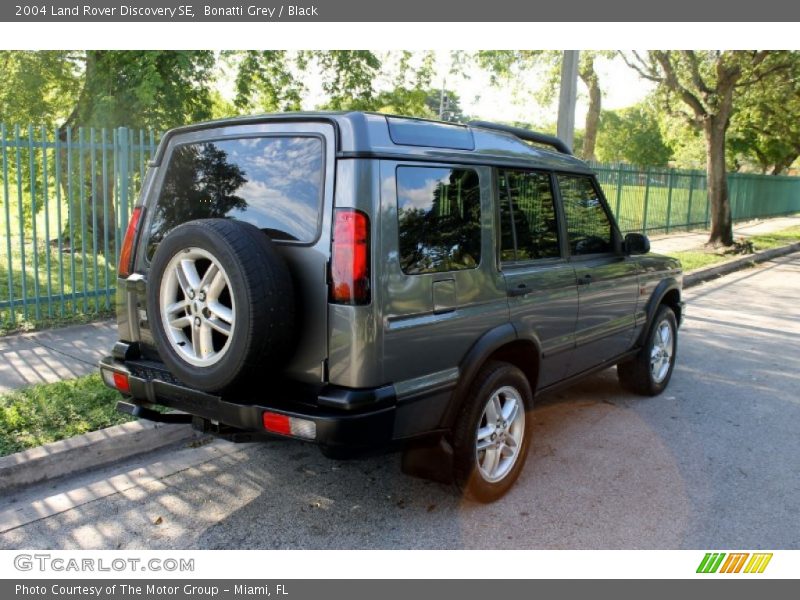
x,y
376,135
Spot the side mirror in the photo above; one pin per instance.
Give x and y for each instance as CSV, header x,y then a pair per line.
x,y
636,243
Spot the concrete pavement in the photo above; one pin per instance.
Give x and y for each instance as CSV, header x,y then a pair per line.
x,y
53,355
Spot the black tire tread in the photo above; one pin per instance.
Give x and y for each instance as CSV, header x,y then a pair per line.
x,y
465,475
634,374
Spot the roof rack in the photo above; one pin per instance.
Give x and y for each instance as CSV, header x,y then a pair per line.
x,y
526,134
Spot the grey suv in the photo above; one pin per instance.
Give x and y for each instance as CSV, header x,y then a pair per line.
x,y
364,282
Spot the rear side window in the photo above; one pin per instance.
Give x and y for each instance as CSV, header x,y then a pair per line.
x,y
529,229
588,225
439,218
275,183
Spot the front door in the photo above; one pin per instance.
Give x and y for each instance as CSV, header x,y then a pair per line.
x,y
540,281
607,279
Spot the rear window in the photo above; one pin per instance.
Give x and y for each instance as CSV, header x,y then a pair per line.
x,y
275,183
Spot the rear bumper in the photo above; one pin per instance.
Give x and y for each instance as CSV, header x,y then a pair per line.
x,y
342,418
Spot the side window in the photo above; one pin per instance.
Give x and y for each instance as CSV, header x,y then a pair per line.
x,y
529,229
439,219
588,226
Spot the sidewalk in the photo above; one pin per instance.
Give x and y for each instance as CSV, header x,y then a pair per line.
x,y
53,355
678,242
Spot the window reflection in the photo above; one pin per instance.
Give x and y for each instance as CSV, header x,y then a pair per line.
x,y
439,219
275,183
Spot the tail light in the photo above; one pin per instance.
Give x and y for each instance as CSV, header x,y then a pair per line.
x,y
350,258
116,380
126,253
286,425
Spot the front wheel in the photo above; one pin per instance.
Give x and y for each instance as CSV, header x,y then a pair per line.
x,y
649,372
492,434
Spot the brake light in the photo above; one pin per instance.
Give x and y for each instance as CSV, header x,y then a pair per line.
x,y
350,257
121,383
286,425
126,253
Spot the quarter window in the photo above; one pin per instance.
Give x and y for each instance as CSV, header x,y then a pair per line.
x,y
439,219
588,226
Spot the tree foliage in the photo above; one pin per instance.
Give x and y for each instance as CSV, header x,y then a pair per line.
x,y
632,135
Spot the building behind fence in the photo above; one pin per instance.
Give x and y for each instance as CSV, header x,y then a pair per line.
x,y
67,195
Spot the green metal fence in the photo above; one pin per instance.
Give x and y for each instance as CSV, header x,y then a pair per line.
x,y
66,198
661,200
67,194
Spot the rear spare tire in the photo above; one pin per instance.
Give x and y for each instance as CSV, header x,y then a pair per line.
x,y
221,303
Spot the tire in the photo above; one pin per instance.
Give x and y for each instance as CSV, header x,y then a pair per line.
x,y
649,372
473,470
221,302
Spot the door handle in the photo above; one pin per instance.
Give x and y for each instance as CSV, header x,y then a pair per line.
x,y
520,290
585,280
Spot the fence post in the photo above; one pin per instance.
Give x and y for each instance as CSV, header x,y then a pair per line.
x,y
619,189
21,218
4,154
689,203
46,200
122,142
646,199
670,180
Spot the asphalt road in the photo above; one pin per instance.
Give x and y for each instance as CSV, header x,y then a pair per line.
x,y
712,463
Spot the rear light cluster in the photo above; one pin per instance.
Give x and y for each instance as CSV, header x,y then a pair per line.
x,y
286,425
116,380
350,258
126,253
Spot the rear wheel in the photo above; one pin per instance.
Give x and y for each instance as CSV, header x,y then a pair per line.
x,y
649,372
220,300
492,434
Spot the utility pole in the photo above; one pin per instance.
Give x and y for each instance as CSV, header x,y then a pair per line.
x,y
442,100
566,101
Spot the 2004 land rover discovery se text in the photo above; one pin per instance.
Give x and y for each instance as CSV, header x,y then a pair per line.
x,y
364,281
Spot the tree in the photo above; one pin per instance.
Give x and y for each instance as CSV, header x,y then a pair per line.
x,y
632,135
704,87
38,87
766,127
505,64
142,88
264,81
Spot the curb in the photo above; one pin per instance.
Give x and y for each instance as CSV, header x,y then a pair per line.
x,y
93,449
701,275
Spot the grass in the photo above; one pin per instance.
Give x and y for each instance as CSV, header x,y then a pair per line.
x,y
49,412
776,238
697,259
54,278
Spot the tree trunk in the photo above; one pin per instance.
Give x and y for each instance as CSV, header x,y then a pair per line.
x,y
719,203
589,77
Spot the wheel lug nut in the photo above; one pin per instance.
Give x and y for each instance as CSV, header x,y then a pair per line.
x,y
202,296
191,294
197,321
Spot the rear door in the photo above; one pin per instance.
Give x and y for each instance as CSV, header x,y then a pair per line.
x,y
540,281
440,286
276,175
607,279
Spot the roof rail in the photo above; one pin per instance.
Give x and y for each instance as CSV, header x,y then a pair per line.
x,y
526,134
